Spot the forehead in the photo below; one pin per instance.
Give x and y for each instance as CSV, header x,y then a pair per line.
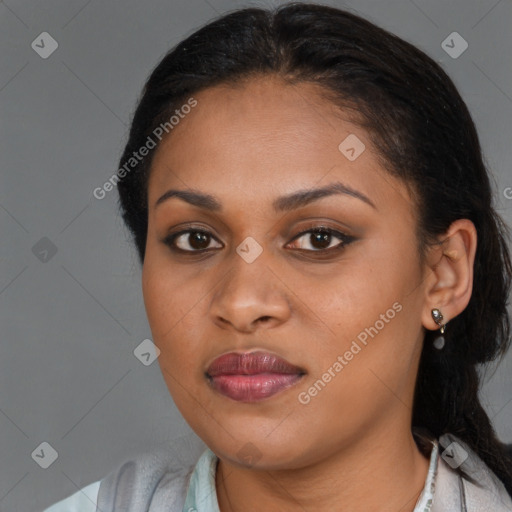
x,y
261,137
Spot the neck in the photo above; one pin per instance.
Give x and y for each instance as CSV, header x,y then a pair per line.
x,y
384,472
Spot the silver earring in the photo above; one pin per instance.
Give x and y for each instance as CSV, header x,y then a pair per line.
x,y
438,319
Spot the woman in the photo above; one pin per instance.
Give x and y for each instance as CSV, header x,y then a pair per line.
x,y
322,272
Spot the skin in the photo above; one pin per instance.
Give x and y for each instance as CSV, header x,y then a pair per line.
x,y
248,145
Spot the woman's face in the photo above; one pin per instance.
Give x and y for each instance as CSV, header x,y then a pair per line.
x,y
343,309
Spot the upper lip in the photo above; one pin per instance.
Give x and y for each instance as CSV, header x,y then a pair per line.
x,y
250,363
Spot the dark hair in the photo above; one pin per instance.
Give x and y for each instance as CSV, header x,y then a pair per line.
x,y
425,136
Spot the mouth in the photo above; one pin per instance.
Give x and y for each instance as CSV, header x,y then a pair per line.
x,y
253,376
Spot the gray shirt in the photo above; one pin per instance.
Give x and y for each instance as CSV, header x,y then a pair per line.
x,y
160,481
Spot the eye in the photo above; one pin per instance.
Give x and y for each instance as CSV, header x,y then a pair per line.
x,y
198,239
321,239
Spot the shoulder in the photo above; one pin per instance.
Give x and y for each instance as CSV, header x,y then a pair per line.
x,y
153,480
83,500
465,482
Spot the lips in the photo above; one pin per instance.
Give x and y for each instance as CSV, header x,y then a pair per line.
x,y
253,376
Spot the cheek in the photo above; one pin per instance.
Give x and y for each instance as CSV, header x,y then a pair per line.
x,y
157,299
366,309
171,307
178,354
352,298
168,298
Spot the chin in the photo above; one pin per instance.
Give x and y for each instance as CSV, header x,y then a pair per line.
x,y
253,448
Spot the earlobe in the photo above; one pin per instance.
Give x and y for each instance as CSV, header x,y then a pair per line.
x,y
451,264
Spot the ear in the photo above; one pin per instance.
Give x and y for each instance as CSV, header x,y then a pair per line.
x,y
450,263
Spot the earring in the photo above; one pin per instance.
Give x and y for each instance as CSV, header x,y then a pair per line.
x,y
438,319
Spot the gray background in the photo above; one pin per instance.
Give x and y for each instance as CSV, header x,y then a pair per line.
x,y
69,325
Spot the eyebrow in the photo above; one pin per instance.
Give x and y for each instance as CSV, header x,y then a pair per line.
x,y
281,204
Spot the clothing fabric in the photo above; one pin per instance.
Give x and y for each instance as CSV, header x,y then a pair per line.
x,y
457,481
202,497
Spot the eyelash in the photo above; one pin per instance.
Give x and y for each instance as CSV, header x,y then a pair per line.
x,y
345,240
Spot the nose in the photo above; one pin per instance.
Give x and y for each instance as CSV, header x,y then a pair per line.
x,y
250,295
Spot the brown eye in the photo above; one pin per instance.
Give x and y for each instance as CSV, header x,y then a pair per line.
x,y
195,239
320,239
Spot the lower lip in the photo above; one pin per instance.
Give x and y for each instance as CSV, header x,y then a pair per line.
x,y
252,388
